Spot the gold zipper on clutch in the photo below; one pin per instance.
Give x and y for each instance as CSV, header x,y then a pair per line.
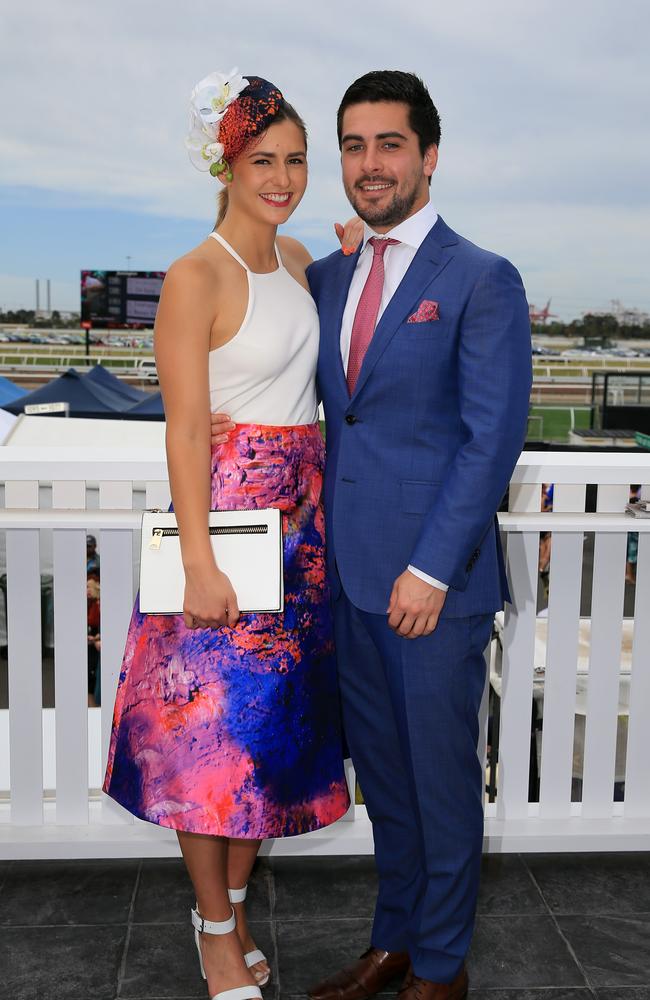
x,y
157,534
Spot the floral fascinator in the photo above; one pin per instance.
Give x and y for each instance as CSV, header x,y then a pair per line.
x,y
228,111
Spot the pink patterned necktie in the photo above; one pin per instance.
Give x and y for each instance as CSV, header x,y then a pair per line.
x,y
365,318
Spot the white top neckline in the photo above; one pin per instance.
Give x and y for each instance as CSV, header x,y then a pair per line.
x,y
265,373
233,253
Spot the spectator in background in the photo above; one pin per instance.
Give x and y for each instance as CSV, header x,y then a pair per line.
x,y
545,539
92,595
92,555
632,540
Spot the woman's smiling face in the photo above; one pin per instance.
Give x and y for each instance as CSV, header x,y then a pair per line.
x,y
270,178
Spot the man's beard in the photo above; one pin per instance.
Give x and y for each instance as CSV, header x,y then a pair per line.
x,y
398,208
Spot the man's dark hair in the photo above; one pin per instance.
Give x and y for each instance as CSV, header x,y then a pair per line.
x,y
394,85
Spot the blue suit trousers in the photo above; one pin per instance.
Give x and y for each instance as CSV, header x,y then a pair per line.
x,y
410,711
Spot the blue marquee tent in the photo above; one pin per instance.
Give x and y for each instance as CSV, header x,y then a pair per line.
x,y
87,397
9,391
98,375
150,408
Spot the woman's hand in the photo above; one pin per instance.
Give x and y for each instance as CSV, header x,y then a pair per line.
x,y
220,427
210,600
350,235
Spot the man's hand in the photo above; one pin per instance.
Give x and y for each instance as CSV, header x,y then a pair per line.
x,y
414,606
220,427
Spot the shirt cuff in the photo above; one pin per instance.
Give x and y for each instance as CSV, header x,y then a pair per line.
x,y
431,580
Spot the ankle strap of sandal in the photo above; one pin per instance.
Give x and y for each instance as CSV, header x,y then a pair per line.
x,y
237,895
240,993
204,926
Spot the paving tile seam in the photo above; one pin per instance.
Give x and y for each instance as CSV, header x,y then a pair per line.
x,y
269,876
121,969
538,888
10,865
570,913
49,927
610,914
116,923
562,935
319,918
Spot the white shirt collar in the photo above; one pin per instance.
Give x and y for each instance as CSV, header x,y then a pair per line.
x,y
411,231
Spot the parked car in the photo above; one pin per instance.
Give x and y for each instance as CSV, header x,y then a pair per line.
x,y
146,368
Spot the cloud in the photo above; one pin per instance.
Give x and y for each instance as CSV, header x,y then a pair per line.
x,y
542,106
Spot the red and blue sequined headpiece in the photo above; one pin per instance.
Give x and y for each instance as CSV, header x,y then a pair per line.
x,y
249,116
227,113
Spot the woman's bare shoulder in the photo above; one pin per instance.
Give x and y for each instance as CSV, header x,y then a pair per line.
x,y
294,250
197,267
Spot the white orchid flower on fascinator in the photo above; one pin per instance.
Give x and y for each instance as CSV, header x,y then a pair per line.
x,y
209,101
202,146
212,95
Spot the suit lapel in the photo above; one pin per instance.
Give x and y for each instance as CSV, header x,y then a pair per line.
x,y
332,317
431,259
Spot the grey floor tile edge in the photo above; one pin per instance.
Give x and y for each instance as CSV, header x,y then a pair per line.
x,y
538,889
127,937
567,944
3,878
275,963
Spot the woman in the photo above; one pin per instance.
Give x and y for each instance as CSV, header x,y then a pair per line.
x,y
226,728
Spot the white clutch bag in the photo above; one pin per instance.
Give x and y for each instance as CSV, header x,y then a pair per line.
x,y
247,545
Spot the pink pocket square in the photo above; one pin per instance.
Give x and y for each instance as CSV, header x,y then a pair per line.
x,y
426,312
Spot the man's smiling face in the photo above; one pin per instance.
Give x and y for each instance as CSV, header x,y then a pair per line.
x,y
385,175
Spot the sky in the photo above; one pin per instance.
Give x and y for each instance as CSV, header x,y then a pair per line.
x,y
544,157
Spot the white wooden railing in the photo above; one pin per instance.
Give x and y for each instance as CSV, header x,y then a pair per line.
x,y
51,760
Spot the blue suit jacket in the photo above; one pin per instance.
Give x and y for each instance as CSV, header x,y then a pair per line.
x,y
419,458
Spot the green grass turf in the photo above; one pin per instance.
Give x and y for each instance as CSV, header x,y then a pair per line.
x,y
556,424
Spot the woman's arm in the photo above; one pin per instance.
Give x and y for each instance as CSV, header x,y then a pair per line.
x,y
181,344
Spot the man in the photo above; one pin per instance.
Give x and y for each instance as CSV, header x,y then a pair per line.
x,y
425,375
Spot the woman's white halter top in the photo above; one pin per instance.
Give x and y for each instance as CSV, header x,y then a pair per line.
x,y
267,373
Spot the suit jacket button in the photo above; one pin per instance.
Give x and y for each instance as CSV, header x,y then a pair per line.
x,y
350,419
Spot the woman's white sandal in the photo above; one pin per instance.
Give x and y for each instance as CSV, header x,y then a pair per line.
x,y
202,926
251,957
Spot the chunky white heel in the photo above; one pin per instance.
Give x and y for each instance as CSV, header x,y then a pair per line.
x,y
251,957
202,926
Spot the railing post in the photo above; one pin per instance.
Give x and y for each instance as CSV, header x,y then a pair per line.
x,y
116,603
70,660
25,662
518,648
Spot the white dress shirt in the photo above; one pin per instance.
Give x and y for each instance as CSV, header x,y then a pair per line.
x,y
397,259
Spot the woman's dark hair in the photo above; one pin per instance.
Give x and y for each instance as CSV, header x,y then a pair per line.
x,y
394,85
285,113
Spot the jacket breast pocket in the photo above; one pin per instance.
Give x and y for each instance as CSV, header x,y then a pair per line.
x,y
417,496
431,330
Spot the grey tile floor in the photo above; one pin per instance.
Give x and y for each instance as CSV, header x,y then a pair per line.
x,y
549,927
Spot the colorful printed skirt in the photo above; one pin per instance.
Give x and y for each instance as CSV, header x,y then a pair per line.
x,y
236,732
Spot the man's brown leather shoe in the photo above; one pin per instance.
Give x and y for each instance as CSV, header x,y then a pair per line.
x,y
423,989
369,974
408,978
